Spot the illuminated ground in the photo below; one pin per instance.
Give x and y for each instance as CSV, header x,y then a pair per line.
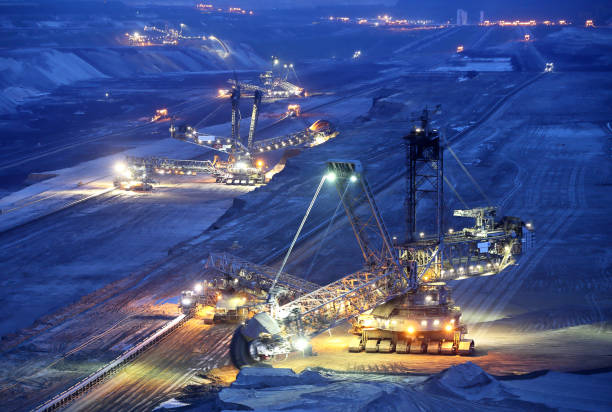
x,y
501,352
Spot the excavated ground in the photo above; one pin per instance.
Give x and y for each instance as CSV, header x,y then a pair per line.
x,y
544,155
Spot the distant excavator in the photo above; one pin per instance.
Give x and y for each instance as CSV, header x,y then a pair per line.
x,y
241,168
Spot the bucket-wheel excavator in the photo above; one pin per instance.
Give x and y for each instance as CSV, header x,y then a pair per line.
x,y
241,167
399,301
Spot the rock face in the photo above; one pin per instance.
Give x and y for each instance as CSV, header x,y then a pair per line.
x,y
259,378
467,381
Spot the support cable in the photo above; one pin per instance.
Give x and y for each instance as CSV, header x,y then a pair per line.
x,y
208,116
271,292
296,76
331,222
456,193
452,152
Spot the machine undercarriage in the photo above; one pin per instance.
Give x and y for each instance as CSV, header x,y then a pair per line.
x,y
424,320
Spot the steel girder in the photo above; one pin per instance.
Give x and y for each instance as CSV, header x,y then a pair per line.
x,y
262,275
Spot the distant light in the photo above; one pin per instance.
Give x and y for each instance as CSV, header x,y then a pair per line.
x,y
448,328
353,178
120,167
186,301
422,235
198,287
436,322
424,323
276,62
410,329
451,230
428,298
301,344
331,176
241,165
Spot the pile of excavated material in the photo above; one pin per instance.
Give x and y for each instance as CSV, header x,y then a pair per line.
x,y
464,387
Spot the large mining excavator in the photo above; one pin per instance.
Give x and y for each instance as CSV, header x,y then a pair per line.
x,y
242,167
399,301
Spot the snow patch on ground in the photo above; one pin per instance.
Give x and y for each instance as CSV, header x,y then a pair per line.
x,y
171,404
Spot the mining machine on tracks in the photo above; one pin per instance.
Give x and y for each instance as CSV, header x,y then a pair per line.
x,y
399,301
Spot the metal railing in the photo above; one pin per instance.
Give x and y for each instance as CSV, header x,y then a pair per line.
x,y
263,275
89,382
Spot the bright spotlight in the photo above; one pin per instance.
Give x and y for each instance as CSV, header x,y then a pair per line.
x,y
353,178
276,62
120,167
448,328
301,343
198,287
410,329
331,176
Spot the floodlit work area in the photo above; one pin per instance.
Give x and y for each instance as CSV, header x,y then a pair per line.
x,y
382,206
